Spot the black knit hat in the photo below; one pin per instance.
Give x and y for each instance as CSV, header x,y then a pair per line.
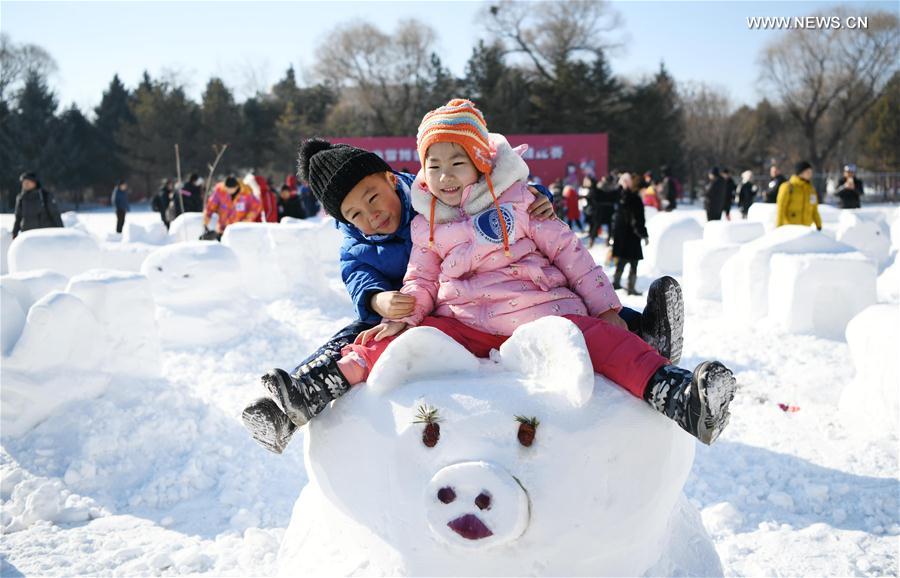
x,y
332,170
801,166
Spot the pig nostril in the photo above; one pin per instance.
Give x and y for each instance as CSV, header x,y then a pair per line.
x,y
483,501
446,495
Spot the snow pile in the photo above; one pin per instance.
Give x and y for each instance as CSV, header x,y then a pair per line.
x,y
889,283
668,233
765,213
746,275
255,250
604,469
124,256
199,295
704,258
5,240
189,226
820,293
71,342
32,499
870,403
867,235
153,233
71,220
66,251
895,231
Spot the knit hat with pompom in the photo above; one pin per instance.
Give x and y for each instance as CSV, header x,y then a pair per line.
x,y
332,170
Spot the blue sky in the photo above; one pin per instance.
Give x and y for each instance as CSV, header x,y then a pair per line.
x,y
251,44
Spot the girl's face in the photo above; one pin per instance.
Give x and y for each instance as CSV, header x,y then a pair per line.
x,y
448,171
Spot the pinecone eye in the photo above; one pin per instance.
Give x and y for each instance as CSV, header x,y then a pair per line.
x,y
527,429
431,433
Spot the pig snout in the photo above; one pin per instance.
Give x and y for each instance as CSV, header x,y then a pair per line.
x,y
476,504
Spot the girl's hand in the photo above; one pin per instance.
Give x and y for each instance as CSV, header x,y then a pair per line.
x,y
380,331
541,208
612,317
392,304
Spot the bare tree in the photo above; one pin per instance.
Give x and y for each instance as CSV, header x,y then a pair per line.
x,y
18,60
826,79
709,134
389,71
549,34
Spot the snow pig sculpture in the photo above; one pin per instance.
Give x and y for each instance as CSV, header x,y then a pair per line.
x,y
598,492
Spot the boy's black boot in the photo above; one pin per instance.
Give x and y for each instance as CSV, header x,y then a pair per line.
x,y
268,425
305,394
697,402
662,322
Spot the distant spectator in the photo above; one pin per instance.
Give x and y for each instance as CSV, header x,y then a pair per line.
x,y
648,191
310,204
573,214
35,207
774,184
730,192
559,204
747,194
119,200
289,204
161,199
668,190
262,191
192,194
850,190
628,232
233,202
715,195
798,202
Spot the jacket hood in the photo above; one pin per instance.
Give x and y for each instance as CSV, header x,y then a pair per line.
x,y
508,168
406,218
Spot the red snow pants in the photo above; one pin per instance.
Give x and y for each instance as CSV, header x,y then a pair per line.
x,y
616,353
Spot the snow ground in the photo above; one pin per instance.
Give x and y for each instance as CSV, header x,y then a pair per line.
x,y
157,477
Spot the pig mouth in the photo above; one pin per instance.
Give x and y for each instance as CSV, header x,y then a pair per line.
x,y
470,527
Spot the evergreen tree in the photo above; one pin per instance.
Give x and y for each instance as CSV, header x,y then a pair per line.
x,y
255,149
33,125
111,114
881,127
10,160
498,90
220,119
79,155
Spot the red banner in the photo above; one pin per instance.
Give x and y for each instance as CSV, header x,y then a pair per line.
x,y
549,156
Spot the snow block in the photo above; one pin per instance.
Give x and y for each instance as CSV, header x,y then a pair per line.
x,y
889,283
307,252
609,471
668,234
866,235
152,234
255,250
31,286
764,213
198,292
187,227
871,403
125,256
12,319
746,275
820,293
704,259
895,231
5,241
66,251
123,305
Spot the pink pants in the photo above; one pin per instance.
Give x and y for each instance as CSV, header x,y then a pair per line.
x,y
616,353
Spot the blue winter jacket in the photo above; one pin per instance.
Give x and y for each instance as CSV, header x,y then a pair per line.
x,y
119,199
378,263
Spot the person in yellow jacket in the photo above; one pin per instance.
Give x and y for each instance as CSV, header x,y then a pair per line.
x,y
798,203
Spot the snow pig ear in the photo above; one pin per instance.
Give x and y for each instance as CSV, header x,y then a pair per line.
x,y
420,353
552,355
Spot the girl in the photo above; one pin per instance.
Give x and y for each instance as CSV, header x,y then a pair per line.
x,y
480,267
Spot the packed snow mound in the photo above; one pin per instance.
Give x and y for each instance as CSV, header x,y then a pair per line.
x,y
199,295
764,213
71,220
895,231
153,233
123,305
255,249
866,235
704,258
608,471
188,227
668,233
889,283
31,286
746,275
5,240
66,251
12,319
819,294
871,403
125,256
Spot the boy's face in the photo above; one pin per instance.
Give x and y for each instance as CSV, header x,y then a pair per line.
x,y
372,206
448,171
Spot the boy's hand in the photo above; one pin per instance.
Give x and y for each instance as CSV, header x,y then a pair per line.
x,y
612,317
541,208
392,304
381,331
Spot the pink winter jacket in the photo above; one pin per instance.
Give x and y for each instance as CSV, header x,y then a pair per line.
x,y
465,274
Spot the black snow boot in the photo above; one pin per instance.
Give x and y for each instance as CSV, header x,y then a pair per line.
x,y
697,402
268,425
305,394
632,279
662,322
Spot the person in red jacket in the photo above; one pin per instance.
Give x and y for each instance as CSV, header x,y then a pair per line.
x,y
267,198
573,214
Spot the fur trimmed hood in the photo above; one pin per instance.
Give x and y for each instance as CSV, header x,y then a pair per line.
x,y
508,169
